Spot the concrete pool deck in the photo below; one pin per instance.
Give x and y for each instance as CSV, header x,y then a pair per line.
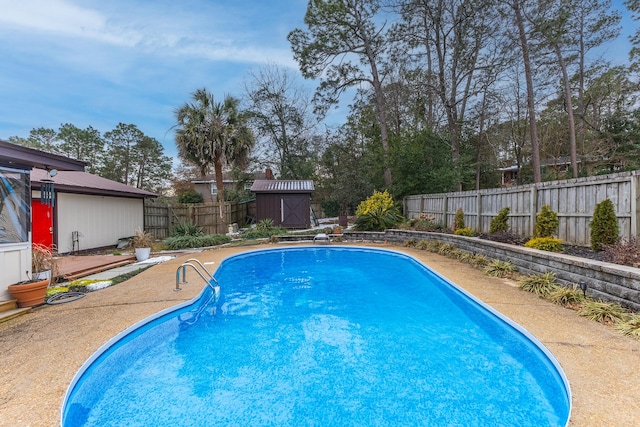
x,y
40,352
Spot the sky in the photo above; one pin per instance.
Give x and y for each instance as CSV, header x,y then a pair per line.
x,y
98,63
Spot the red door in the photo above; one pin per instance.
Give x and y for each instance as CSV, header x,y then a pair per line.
x,y
42,223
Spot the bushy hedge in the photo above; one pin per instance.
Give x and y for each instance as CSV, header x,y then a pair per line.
x,y
377,213
550,244
184,242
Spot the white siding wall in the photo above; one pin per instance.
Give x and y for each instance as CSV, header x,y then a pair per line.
x,y
101,220
15,261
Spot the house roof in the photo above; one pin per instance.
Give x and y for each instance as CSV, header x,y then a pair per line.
x,y
226,177
282,186
13,155
86,183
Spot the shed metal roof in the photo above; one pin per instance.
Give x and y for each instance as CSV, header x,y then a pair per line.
x,y
282,186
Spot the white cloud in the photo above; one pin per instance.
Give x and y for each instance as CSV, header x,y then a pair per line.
x,y
142,28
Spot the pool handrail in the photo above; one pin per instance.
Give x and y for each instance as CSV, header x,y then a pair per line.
x,y
184,266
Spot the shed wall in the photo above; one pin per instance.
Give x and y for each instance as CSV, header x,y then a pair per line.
x,y
101,220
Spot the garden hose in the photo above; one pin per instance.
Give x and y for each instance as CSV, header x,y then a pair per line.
x,y
62,297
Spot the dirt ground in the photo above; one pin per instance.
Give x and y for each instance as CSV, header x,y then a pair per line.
x,y
41,351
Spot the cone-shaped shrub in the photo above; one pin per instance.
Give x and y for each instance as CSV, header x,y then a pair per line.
x,y
458,221
546,223
604,226
499,224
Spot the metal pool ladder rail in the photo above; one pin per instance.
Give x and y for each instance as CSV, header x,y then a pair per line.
x,y
202,272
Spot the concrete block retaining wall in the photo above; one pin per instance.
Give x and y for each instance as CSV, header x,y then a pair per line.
x,y
605,281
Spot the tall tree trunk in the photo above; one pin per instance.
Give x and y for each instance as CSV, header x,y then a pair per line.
x,y
533,129
569,105
217,165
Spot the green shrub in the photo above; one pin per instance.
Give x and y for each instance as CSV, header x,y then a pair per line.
x,y
263,232
566,296
331,208
377,213
499,268
602,311
190,196
604,226
629,326
465,231
500,224
187,229
184,242
540,284
426,225
550,244
546,223
480,261
458,220
446,249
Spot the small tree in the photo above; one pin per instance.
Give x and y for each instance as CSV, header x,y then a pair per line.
x,y
604,226
500,224
546,223
458,221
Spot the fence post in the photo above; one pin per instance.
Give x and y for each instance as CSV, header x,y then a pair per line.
x,y
479,213
445,202
635,226
534,210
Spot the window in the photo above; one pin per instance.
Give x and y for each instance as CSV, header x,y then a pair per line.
x,y
15,198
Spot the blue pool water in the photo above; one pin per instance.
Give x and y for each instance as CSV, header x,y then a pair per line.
x,y
323,336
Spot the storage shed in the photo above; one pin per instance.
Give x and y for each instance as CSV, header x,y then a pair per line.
x,y
286,202
88,212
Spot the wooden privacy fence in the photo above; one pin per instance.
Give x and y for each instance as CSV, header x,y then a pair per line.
x,y
161,219
574,201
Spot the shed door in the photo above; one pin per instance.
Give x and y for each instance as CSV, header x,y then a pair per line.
x,y
42,223
294,211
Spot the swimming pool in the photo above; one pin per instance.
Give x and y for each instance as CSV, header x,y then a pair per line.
x,y
323,336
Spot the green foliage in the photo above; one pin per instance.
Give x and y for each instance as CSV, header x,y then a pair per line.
x,y
427,225
480,261
550,244
465,231
500,224
421,163
446,249
540,284
566,296
190,196
604,226
184,242
264,230
546,223
331,208
377,213
629,326
499,268
187,229
458,220
602,311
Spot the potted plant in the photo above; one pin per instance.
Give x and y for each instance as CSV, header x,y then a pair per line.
x,y
142,242
32,292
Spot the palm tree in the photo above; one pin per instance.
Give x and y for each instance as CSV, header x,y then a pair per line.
x,y
213,134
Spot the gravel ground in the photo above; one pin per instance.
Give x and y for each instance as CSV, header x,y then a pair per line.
x,y
41,351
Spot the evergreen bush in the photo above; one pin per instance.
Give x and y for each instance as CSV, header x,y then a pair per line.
x,y
546,222
604,226
458,221
500,224
550,244
190,196
464,231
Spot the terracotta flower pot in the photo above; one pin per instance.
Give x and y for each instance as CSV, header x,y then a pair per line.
x,y
29,294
